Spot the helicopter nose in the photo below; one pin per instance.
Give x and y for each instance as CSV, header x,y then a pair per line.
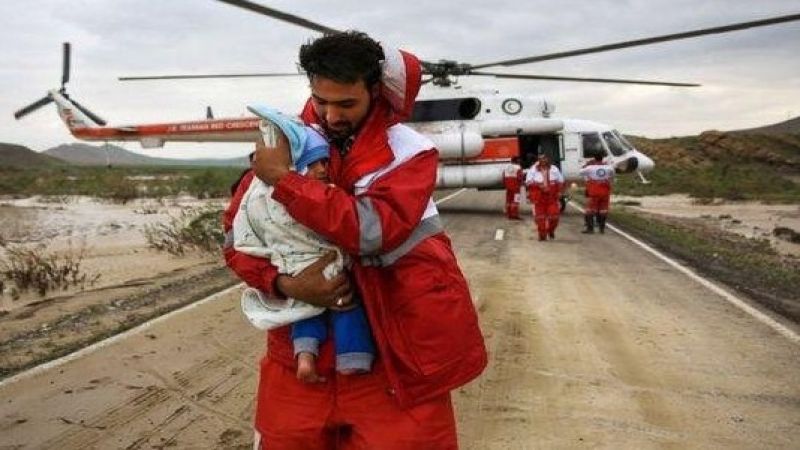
x,y
634,162
646,164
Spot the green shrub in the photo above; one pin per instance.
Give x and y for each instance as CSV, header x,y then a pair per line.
x,y
196,229
41,270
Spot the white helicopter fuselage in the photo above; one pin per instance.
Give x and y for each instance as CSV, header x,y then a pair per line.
x,y
476,135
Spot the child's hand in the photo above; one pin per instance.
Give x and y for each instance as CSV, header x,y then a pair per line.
x,y
272,163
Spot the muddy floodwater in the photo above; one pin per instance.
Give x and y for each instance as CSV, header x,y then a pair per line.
x,y
749,219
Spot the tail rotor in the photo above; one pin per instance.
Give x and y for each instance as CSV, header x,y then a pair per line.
x,y
33,106
65,66
63,100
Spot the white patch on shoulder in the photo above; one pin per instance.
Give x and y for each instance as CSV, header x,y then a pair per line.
x,y
406,142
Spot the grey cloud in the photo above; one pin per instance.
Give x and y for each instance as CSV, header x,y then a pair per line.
x,y
751,76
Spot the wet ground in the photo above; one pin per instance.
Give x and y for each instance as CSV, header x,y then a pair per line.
x,y
593,343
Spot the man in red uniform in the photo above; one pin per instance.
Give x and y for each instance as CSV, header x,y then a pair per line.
x,y
598,177
380,211
544,183
512,180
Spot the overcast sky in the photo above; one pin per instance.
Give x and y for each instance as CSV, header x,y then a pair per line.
x,y
749,77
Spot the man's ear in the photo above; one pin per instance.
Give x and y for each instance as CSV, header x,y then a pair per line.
x,y
375,91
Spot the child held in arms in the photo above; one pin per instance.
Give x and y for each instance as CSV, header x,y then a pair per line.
x,y
263,228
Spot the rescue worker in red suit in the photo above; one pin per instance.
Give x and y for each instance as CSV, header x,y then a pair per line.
x,y
512,180
598,177
379,210
544,183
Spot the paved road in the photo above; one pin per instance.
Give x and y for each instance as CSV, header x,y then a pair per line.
x,y
594,344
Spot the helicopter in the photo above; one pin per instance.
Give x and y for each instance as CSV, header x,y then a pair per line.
x,y
476,133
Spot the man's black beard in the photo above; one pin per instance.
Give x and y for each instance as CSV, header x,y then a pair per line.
x,y
341,134
340,138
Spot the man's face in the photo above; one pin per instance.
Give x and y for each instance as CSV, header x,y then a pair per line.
x,y
341,106
544,160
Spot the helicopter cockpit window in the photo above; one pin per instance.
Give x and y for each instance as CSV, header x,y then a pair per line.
x,y
625,143
446,109
616,147
592,145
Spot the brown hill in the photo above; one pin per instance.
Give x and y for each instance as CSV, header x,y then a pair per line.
x,y
791,126
99,155
18,156
712,147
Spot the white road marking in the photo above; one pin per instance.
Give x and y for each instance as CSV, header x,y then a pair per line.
x,y
118,337
444,199
498,234
741,304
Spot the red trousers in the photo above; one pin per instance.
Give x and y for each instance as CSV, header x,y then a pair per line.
x,y
346,412
597,204
545,214
512,203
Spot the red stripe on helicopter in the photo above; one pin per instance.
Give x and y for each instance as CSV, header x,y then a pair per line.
x,y
167,130
499,148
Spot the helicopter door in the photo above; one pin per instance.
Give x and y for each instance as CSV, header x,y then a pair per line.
x,y
531,145
573,157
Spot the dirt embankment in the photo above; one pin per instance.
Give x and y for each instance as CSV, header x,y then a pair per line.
x,y
725,248
710,147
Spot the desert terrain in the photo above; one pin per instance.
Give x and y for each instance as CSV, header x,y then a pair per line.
x,y
594,343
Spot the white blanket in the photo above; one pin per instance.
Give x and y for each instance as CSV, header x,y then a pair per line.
x,y
263,228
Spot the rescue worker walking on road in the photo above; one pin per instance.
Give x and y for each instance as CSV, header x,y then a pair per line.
x,y
378,210
599,177
544,183
512,180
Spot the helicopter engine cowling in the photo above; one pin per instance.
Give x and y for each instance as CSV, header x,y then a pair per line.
x,y
480,176
499,127
468,144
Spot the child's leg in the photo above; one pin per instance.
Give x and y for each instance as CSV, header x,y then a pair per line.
x,y
355,349
306,337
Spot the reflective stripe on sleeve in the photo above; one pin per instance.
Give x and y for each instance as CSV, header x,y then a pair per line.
x,y
428,227
369,227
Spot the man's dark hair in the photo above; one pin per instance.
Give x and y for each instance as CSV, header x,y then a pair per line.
x,y
343,57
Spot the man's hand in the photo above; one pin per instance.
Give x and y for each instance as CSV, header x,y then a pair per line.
x,y
312,287
272,163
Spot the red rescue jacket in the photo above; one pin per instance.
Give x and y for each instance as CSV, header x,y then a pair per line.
x,y
380,211
544,187
598,178
512,177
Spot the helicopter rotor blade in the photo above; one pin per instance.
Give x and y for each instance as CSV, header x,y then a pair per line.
x,y
280,15
33,106
65,64
585,80
211,76
95,118
644,41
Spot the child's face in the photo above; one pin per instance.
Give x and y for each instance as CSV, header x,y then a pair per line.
x,y
318,170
